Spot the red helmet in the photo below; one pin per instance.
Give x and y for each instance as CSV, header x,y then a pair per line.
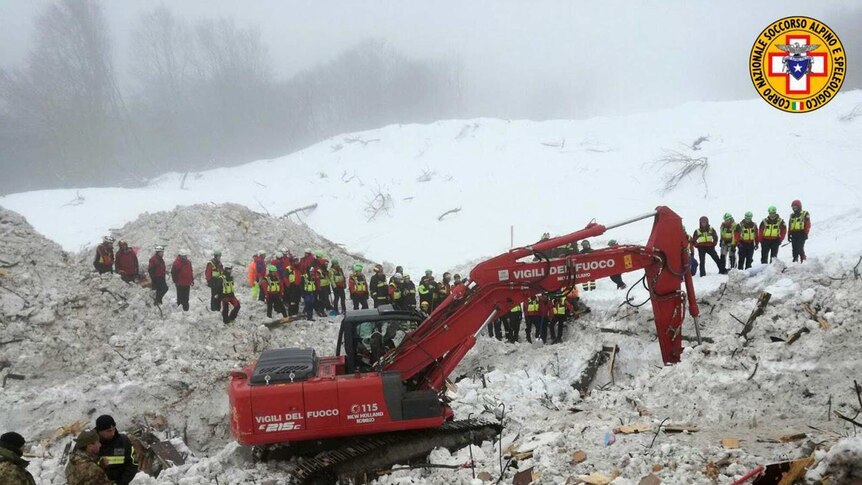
x,y
796,203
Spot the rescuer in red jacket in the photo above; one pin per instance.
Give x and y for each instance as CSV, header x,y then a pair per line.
x,y
104,260
800,224
336,277
212,275
358,287
157,270
126,263
771,233
705,238
183,277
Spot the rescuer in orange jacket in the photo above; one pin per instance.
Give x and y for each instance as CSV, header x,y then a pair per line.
x,y
800,224
705,239
747,241
771,233
104,260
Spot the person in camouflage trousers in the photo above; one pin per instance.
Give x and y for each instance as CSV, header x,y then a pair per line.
x,y
83,467
12,466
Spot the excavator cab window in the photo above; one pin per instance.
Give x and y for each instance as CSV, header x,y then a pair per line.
x,y
372,339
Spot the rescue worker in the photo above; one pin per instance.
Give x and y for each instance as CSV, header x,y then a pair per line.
x,y
398,270
617,278
274,292
228,295
561,309
183,277
747,240
104,260
727,241
532,317
378,287
117,454
324,287
408,293
126,262
495,328
705,239
427,290
587,248
395,291
284,262
306,262
443,289
309,292
358,288
13,468
260,272
293,277
800,224
277,262
251,274
513,323
212,275
336,276
157,270
83,467
771,233
456,279
425,309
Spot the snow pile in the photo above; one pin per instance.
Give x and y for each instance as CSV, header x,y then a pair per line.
x,y
29,264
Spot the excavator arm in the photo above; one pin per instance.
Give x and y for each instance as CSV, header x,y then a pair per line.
x,y
430,353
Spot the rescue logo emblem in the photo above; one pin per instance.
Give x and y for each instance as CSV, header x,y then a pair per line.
x,y
797,64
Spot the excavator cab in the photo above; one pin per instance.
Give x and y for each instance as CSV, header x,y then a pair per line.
x,y
366,335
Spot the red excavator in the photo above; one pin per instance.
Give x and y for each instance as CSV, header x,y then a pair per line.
x,y
390,368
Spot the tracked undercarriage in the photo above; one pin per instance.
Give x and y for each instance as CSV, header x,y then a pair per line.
x,y
355,459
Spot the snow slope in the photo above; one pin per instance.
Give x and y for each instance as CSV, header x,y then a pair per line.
x,y
550,176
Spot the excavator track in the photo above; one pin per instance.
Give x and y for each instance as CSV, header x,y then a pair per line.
x,y
372,453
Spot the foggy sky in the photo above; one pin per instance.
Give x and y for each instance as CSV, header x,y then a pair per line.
x,y
521,59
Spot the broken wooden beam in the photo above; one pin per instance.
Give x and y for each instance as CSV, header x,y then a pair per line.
x,y
762,301
824,325
589,373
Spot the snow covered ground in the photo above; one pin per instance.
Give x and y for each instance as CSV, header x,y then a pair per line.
x,y
536,176
92,344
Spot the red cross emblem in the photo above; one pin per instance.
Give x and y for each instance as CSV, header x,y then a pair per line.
x,y
791,84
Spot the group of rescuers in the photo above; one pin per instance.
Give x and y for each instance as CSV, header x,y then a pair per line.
x,y
101,456
284,281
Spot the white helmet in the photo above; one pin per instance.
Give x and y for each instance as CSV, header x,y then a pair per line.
x,y
159,248
397,276
228,266
261,252
284,251
108,239
183,252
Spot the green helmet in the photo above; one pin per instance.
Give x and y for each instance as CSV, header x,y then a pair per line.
x,y
318,253
727,216
335,262
749,215
217,252
271,267
357,267
772,209
612,242
428,272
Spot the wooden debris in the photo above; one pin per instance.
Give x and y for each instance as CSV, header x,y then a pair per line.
x,y
796,335
824,325
792,437
525,477
730,443
450,211
632,429
73,429
614,353
650,480
680,428
300,209
784,473
15,377
589,373
579,456
762,301
282,321
522,456
597,478
657,468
